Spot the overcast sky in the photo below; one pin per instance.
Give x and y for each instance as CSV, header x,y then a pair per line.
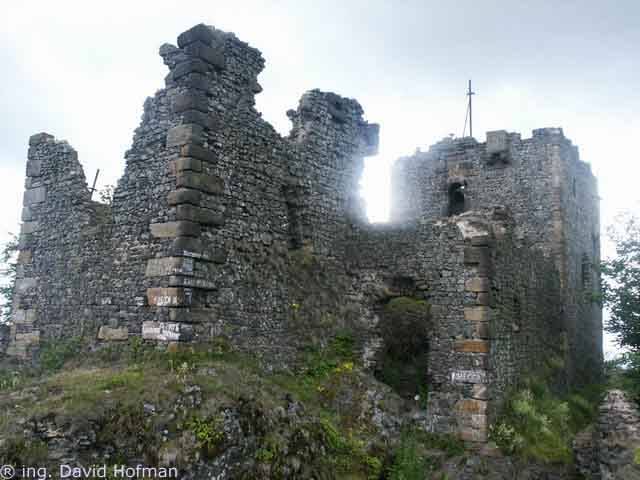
x,y
81,71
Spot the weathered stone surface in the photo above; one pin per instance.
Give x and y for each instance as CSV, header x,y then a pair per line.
x,y
183,134
476,314
191,282
472,406
198,152
187,67
213,56
478,284
191,315
175,229
166,331
113,334
472,346
169,297
182,164
184,195
200,181
24,257
25,285
198,33
190,101
201,215
40,138
205,120
34,167
34,195
29,227
157,267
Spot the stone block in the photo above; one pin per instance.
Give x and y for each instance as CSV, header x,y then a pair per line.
x,y
19,346
40,138
198,33
186,163
471,346
166,331
198,152
189,66
175,229
24,257
469,434
26,285
479,391
196,81
184,134
213,56
469,376
477,255
158,267
191,315
113,334
34,168
34,195
205,120
187,247
497,142
190,100
169,296
191,282
26,215
200,181
472,406
476,314
481,330
477,284
184,195
24,316
29,227
201,215
483,298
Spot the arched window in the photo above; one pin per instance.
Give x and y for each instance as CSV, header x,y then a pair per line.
x,y
456,198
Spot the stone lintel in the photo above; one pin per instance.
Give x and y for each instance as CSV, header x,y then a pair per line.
x,y
200,181
158,267
169,296
184,134
184,195
471,346
201,215
175,229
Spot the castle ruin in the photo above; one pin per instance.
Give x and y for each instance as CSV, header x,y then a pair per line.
x,y
500,238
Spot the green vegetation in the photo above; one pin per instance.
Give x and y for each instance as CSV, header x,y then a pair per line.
x,y
8,268
540,425
411,460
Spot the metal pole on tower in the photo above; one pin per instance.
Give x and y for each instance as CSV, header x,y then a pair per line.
x,y
470,93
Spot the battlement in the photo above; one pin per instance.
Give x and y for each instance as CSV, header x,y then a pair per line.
x,y
219,225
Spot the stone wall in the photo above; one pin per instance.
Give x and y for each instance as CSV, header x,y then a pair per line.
x,y
221,227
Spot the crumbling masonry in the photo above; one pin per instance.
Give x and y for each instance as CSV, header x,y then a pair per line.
x,y
499,237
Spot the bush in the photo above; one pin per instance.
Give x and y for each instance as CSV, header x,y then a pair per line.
x,y
536,424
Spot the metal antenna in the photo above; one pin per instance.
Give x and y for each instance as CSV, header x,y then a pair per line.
x,y
470,93
95,179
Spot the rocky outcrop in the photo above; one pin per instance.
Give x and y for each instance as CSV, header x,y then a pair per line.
x,y
609,449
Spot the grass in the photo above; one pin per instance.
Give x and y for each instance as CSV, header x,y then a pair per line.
x,y
538,424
